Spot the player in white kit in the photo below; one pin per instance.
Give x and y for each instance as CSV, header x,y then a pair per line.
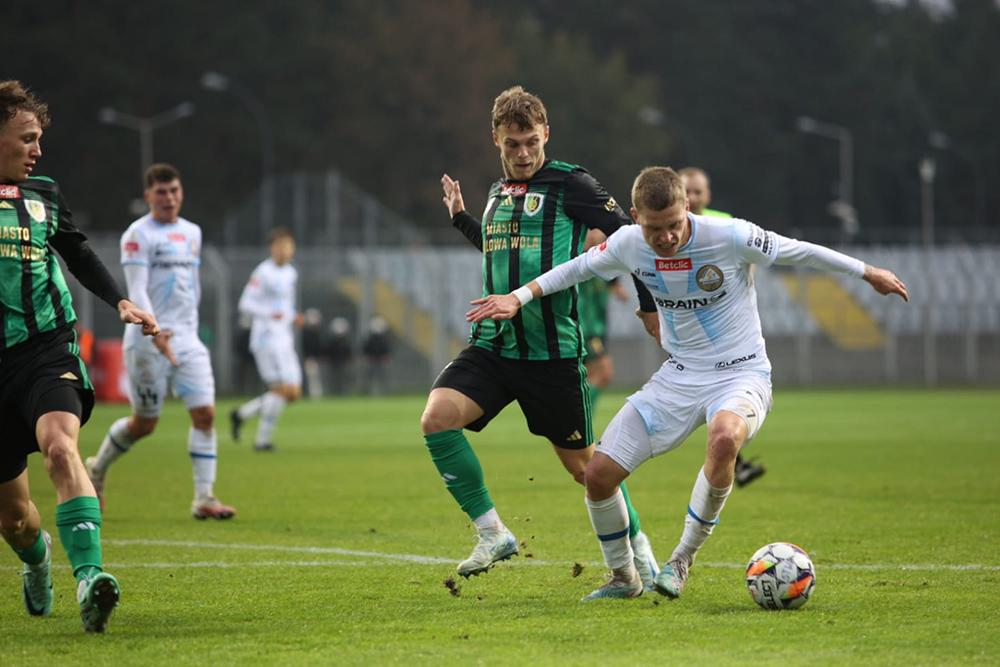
x,y
161,253
717,371
269,297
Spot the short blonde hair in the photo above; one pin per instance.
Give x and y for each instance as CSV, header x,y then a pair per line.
x,y
657,188
516,106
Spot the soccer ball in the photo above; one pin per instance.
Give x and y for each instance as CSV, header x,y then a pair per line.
x,y
780,576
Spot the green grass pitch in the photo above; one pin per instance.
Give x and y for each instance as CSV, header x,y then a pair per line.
x,y
345,537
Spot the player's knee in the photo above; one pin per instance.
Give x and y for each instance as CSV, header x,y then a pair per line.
x,y
723,444
60,453
203,418
140,427
599,480
436,418
14,517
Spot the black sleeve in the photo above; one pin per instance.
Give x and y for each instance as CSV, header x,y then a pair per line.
x,y
470,227
646,303
81,260
588,203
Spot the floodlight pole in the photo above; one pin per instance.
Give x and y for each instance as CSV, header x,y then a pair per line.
x,y
845,167
217,82
145,126
928,170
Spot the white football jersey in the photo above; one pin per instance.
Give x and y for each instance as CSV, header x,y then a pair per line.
x,y
171,253
269,297
704,294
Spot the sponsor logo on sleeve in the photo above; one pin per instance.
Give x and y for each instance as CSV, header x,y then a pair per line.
x,y
610,205
514,190
131,247
709,278
602,247
533,203
10,192
663,264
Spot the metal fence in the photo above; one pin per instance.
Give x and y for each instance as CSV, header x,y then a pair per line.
x,y
357,260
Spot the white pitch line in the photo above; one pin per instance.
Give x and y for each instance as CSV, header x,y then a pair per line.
x,y
437,560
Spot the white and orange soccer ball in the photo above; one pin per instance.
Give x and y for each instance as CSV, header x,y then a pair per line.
x,y
780,576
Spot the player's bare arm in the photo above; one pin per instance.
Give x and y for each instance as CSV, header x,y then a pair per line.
x,y
162,343
650,322
452,195
132,314
884,281
503,306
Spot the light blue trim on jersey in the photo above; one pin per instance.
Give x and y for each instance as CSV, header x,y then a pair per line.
x,y
139,262
707,319
671,327
169,285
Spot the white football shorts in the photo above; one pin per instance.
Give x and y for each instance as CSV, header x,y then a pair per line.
x,y
278,364
672,404
151,375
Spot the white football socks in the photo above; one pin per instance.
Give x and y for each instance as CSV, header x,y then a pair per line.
x,y
272,405
702,516
117,441
609,517
202,448
489,521
251,408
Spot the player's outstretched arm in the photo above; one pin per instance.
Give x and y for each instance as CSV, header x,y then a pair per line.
x,y
132,314
503,306
884,281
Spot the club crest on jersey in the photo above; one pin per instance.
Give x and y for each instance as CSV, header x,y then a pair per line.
x,y
709,277
533,203
36,209
10,192
663,264
610,204
514,189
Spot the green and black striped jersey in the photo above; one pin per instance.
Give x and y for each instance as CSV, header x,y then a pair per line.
x,y
34,297
594,307
527,228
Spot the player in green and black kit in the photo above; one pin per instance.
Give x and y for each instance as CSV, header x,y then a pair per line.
x,y
45,394
594,325
537,217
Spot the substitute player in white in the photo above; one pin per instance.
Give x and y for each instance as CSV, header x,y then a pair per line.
x,y
269,297
717,371
160,253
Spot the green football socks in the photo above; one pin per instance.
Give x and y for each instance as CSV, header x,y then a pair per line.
x,y
79,523
634,526
453,456
34,554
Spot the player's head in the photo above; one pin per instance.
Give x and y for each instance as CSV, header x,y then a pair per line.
x,y
660,206
520,131
164,193
699,188
22,119
282,245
